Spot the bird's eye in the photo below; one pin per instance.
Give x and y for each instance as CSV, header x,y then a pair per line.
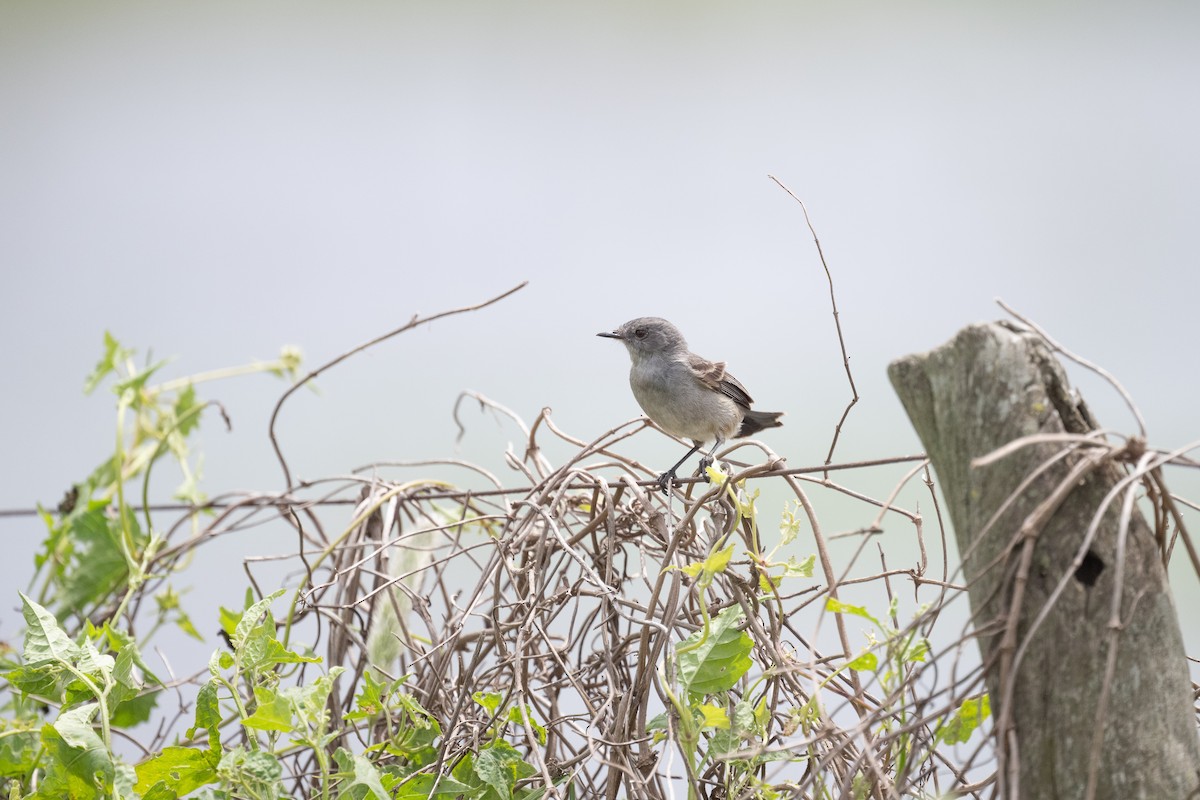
x,y
640,333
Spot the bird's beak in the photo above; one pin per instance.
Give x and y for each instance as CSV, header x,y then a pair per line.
x,y
609,334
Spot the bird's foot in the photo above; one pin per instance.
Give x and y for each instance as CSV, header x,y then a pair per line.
x,y
705,463
664,481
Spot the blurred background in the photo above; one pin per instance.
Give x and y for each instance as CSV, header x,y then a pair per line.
x,y
215,181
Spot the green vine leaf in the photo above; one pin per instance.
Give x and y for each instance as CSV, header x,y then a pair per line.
x,y
716,663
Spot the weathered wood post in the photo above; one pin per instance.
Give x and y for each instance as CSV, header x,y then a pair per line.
x,y
1085,665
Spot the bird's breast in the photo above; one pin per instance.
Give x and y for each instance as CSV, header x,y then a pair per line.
x,y
681,405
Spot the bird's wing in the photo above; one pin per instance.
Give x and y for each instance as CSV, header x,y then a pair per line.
x,y
713,375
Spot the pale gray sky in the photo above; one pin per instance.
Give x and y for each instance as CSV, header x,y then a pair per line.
x,y
215,180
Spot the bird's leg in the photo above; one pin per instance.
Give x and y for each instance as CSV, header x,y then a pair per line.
x,y
669,475
706,460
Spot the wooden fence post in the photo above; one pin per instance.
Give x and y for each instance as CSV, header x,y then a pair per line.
x,y
1086,670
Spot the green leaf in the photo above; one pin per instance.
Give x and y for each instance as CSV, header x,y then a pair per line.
x,y
762,716
163,791
745,717
40,681
124,779
312,698
415,712
714,564
96,566
256,644
500,766
419,787
751,720
371,700
838,607
360,778
515,716
275,653
103,478
253,773
44,639
867,662
75,727
249,623
128,682
718,561
490,701
917,650
962,723
716,663
130,389
712,717
745,503
799,569
113,355
789,525
76,762
416,734
182,769
92,662
262,766
186,410
134,711
722,742
274,712
19,750
229,620
117,639
208,714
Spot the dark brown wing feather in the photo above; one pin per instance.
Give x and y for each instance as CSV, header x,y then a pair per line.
x,y
713,375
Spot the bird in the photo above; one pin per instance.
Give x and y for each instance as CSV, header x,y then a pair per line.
x,y
686,395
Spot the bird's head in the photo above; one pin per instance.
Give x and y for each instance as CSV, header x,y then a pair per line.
x,y
646,336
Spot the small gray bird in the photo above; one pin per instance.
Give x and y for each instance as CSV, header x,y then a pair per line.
x,y
684,394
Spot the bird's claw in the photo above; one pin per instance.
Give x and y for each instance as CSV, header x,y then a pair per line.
x,y
664,481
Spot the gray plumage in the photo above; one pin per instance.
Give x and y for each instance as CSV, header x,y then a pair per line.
x,y
686,395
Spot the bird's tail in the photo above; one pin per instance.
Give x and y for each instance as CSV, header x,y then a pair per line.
x,y
755,421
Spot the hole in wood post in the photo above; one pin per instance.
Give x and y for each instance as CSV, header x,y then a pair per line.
x,y
1090,569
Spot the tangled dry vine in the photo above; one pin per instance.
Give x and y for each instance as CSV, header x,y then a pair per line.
x,y
571,600
568,631
622,644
